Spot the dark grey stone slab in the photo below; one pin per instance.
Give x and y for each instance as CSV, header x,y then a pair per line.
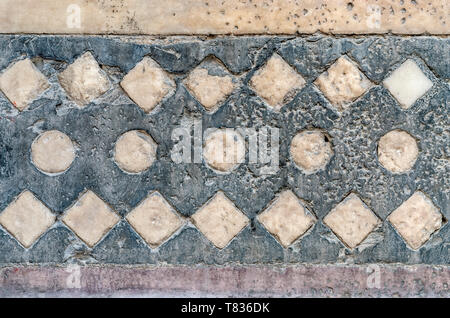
x,y
354,135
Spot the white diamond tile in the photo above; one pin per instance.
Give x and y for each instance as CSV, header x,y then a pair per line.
x,y
408,83
351,221
90,218
154,219
286,218
27,218
220,220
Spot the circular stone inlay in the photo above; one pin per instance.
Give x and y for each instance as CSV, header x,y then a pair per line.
x,y
311,150
224,150
135,151
397,151
52,152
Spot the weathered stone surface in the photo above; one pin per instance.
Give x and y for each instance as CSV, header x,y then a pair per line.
x,y
84,80
52,152
397,151
351,220
300,280
27,218
354,135
154,219
342,83
22,83
135,151
345,117
224,150
224,17
276,82
311,150
407,83
90,218
416,219
286,218
147,84
219,220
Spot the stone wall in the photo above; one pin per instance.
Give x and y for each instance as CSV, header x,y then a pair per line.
x,y
151,146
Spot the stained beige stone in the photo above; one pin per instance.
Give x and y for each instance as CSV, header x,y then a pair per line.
x,y
342,83
397,151
154,219
147,84
135,151
90,218
407,83
22,83
286,218
224,150
276,82
224,17
26,218
311,150
209,90
416,219
52,152
219,220
351,221
84,80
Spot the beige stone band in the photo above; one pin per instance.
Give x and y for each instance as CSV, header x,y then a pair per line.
x,y
185,17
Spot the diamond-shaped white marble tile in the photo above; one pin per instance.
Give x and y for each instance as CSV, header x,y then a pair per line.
x,y
277,82
342,83
22,83
351,220
210,83
408,83
220,220
84,80
286,218
26,218
154,219
147,84
90,218
416,219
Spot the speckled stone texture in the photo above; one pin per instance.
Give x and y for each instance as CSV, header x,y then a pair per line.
x,y
227,281
353,133
172,17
